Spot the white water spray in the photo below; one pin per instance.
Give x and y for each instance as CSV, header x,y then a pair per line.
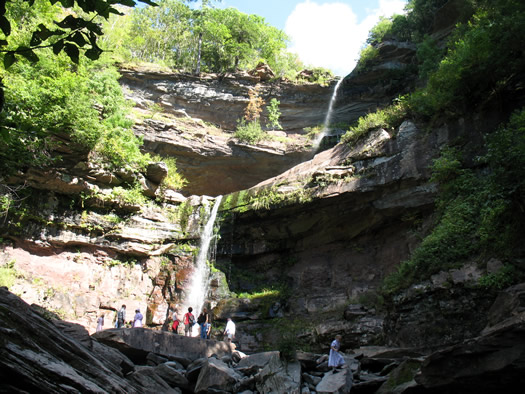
x,y
199,280
328,116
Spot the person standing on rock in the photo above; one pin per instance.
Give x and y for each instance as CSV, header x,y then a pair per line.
x,y
203,321
137,320
229,331
176,322
121,316
335,360
189,321
100,323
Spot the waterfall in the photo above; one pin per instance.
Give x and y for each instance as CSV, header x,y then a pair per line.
x,y
328,116
199,280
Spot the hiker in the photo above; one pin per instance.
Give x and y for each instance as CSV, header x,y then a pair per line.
x,y
137,320
100,323
176,322
203,320
335,360
121,316
189,321
229,331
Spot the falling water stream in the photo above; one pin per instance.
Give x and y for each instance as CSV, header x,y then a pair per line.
x,y
199,280
328,116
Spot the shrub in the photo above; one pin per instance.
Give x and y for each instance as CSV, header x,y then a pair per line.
x,y
274,114
366,56
173,180
380,30
387,118
249,132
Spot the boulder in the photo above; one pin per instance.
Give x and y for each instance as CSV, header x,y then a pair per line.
x,y
138,342
157,172
216,375
173,376
338,381
279,376
150,381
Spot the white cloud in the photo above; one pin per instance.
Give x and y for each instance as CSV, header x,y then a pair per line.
x,y
329,35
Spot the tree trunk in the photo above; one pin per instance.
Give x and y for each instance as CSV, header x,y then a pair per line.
x,y
198,69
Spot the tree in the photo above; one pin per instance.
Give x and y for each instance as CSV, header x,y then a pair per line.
x,y
74,32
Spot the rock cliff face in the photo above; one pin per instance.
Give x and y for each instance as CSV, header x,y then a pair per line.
x,y
330,229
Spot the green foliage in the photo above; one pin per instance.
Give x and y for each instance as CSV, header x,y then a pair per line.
x,y
184,211
388,118
271,197
318,75
274,114
379,31
174,180
54,97
8,274
501,279
250,132
481,57
428,56
367,56
125,196
170,34
478,213
75,32
259,294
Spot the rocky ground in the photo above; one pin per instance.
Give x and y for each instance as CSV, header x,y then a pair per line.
x,y
40,353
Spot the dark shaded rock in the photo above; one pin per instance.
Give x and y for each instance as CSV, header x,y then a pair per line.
x,y
156,172
216,375
194,369
35,356
153,359
401,378
367,384
492,363
150,381
172,376
279,376
430,316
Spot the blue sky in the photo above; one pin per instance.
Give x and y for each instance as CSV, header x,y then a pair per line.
x,y
328,34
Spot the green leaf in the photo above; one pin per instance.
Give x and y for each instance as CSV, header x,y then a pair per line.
x,y
58,46
149,2
69,22
94,28
129,3
5,26
78,39
93,53
9,59
35,39
72,51
28,53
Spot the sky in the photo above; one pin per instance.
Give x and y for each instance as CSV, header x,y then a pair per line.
x,y
326,34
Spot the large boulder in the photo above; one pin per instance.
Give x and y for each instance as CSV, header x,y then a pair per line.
x,y
216,375
279,376
338,381
138,342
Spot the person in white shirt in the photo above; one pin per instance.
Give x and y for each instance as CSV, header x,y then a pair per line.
x,y
229,331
